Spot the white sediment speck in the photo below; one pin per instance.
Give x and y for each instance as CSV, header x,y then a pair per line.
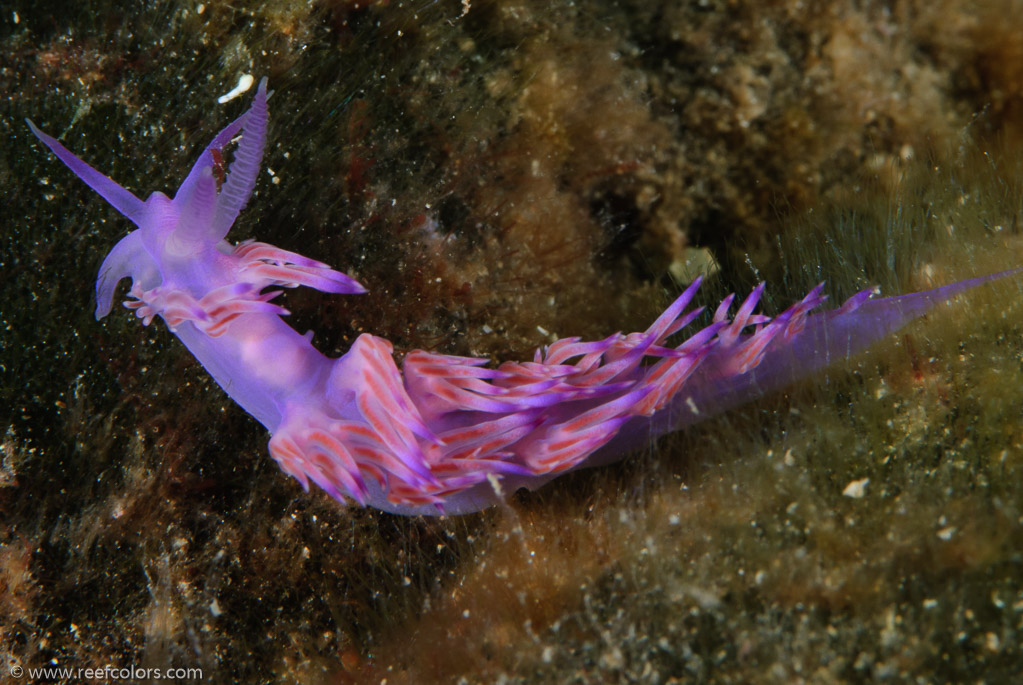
x,y
244,83
495,483
856,488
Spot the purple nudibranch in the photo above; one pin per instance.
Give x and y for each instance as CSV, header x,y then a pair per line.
x,y
445,434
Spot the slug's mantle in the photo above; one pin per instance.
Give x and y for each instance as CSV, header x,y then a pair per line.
x,y
444,434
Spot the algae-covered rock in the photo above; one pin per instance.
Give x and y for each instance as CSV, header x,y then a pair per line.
x,y
499,174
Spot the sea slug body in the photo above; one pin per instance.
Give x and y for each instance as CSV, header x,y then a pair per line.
x,y
432,437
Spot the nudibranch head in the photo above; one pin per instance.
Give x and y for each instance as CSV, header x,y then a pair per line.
x,y
174,235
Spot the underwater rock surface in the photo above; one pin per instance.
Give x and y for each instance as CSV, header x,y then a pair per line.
x,y
497,176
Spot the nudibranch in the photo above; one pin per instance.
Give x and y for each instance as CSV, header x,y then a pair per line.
x,y
444,434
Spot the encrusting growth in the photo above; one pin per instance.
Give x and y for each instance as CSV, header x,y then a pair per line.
x,y
429,439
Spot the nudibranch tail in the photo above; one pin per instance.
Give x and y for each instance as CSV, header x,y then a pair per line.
x,y
443,434
742,366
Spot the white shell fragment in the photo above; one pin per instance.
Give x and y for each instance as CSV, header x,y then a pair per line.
x,y
244,83
856,488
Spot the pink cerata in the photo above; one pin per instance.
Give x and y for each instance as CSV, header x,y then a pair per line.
x,y
445,434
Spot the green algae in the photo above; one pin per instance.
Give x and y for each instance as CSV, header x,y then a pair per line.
x,y
437,157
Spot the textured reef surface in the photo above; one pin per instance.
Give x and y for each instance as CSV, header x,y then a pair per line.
x,y
499,174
